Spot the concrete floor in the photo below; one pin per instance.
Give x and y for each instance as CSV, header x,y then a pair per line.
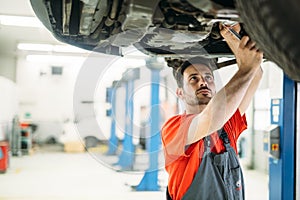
x,y
61,176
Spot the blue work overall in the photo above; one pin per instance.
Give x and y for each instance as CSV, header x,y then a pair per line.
x,y
219,176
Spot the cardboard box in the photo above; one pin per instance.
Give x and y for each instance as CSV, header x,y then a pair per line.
x,y
74,147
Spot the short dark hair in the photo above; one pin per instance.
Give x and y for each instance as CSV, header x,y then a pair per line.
x,y
211,63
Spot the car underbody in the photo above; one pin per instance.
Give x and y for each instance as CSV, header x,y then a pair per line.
x,y
168,28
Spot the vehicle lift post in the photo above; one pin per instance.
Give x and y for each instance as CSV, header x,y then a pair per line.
x,y
126,158
149,181
282,170
111,98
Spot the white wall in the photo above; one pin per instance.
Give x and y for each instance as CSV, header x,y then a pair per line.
x,y
271,87
8,106
49,98
44,98
7,66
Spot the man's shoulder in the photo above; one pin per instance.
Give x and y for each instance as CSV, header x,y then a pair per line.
x,y
177,121
172,120
179,118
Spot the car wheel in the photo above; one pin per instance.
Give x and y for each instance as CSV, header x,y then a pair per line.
x,y
273,25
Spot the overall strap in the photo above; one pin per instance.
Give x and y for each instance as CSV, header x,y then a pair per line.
x,y
207,143
224,137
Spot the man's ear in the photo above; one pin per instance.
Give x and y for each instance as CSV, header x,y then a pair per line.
x,y
179,93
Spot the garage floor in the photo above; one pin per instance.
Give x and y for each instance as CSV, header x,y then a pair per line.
x,y
58,175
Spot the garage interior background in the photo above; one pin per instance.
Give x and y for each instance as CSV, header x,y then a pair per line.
x,y
32,91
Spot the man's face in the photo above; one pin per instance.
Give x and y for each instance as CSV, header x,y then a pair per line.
x,y
198,85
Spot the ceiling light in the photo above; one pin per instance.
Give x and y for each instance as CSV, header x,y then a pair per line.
x,y
24,21
35,47
68,49
55,59
50,48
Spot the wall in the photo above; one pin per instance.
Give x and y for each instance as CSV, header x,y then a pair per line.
x,y
8,67
8,106
46,99
271,87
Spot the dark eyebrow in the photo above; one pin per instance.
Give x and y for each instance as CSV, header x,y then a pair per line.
x,y
208,74
194,74
197,74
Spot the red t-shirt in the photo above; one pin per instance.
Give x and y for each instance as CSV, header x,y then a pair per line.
x,y
181,161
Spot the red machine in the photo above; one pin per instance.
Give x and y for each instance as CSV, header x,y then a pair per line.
x,y
3,156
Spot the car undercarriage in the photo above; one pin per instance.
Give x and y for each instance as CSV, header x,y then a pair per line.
x,y
172,28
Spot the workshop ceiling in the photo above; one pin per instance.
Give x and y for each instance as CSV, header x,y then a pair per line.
x,y
11,35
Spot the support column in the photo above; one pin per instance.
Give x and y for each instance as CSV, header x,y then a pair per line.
x,y
127,156
150,180
282,170
113,140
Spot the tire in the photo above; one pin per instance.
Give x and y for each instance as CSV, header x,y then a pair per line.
x,y
274,26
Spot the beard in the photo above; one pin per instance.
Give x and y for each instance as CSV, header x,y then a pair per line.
x,y
197,100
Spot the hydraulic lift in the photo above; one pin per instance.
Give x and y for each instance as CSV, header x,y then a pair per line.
x,y
282,168
126,158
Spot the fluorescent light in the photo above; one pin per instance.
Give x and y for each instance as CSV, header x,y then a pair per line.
x,y
55,59
35,47
50,48
68,49
23,21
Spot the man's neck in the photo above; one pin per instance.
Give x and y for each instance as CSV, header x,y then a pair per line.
x,y
195,109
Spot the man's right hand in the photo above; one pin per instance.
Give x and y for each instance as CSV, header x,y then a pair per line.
x,y
248,56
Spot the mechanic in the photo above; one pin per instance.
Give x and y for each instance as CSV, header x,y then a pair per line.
x,y
200,144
